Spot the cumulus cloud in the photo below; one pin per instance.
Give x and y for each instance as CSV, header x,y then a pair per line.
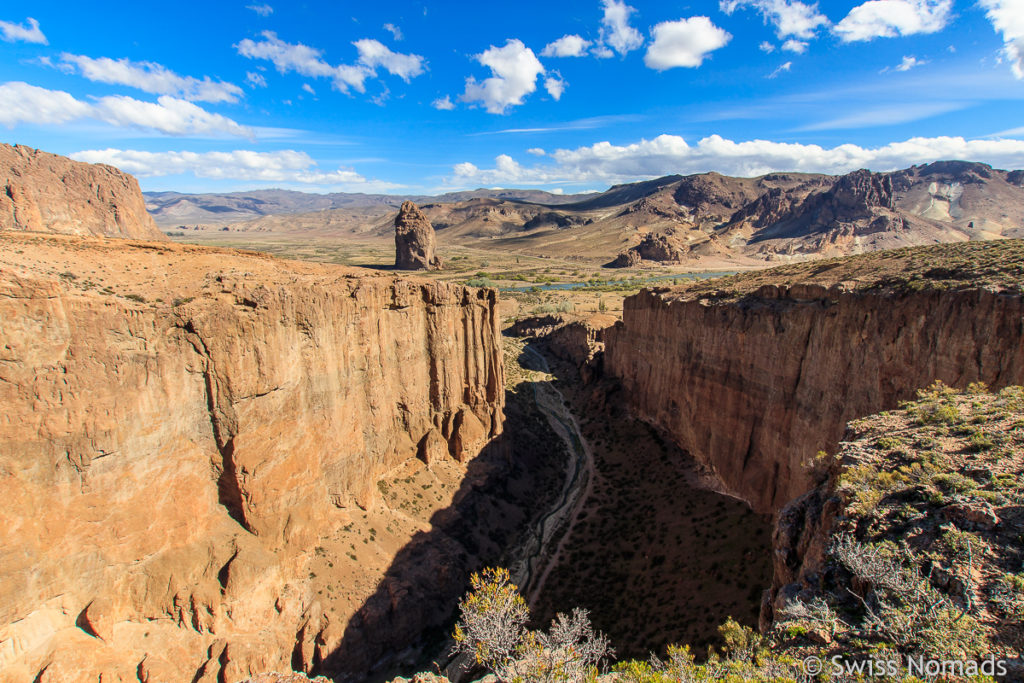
x,y
1007,17
309,61
395,32
296,57
555,86
514,70
782,69
789,17
794,45
24,103
27,33
909,63
668,154
683,43
567,46
766,47
615,29
262,10
892,18
308,88
150,77
168,115
255,80
281,166
443,103
373,54
536,151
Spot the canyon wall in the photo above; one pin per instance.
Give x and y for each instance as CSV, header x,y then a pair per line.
x,y
754,385
185,430
44,192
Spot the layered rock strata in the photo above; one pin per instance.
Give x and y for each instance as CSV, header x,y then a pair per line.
x,y
194,447
754,383
42,192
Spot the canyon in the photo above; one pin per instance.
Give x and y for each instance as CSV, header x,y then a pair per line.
x,y
217,463
755,373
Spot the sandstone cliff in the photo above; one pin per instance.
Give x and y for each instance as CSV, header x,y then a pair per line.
x,y
756,373
45,192
190,437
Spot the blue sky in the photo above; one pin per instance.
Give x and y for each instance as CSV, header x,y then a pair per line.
x,y
567,96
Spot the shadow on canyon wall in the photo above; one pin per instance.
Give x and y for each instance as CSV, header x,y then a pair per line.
x,y
655,558
407,620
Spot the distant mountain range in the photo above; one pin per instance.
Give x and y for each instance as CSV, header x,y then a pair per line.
x,y
706,219
171,209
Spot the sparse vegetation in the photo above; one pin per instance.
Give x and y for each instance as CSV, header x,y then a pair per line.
x,y
492,630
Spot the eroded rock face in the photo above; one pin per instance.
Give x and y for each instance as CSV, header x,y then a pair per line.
x,y
414,240
42,192
755,386
653,247
179,460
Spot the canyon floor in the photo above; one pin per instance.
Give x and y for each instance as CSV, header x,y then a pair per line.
x,y
656,555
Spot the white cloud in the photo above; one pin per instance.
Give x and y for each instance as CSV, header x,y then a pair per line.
x,y
168,115
667,154
782,69
150,77
288,166
567,46
615,29
29,33
308,88
375,54
24,103
794,45
909,63
255,80
394,31
892,18
262,10
309,61
1007,17
789,17
555,86
443,103
515,70
683,43
296,57
766,47
536,151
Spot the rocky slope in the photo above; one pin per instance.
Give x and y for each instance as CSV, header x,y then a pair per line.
x,y
941,477
203,454
44,192
754,374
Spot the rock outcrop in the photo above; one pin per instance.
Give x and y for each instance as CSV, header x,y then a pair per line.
x,y
414,240
199,451
45,192
755,378
653,247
